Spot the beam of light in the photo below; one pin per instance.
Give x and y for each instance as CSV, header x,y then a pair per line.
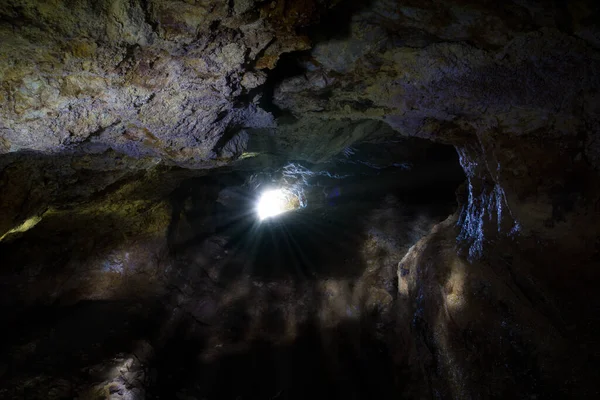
x,y
274,202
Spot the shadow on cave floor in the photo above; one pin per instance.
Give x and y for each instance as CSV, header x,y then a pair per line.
x,y
68,342
347,361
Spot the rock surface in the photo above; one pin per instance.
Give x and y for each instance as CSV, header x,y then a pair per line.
x,y
163,79
113,113
470,322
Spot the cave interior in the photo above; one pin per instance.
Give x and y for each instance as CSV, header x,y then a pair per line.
x,y
299,199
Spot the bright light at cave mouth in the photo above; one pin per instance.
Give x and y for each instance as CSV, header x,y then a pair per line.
x,y
272,203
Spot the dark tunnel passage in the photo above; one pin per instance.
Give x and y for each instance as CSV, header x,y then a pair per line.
x,y
303,320
296,305
306,243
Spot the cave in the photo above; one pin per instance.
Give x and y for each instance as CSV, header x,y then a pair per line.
x,y
282,199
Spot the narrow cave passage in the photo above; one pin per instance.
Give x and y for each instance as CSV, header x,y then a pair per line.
x,y
301,304
343,199
298,305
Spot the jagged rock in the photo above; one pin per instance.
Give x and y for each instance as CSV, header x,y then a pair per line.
x,y
159,79
119,253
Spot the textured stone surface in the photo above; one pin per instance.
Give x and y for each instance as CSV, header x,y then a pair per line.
x,y
106,107
516,96
473,322
164,79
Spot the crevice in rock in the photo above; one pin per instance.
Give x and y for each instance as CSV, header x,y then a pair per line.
x,y
148,16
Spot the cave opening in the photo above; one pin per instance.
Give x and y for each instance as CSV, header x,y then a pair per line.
x,y
300,304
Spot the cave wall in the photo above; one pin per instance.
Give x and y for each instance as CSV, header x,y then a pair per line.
x,y
108,92
514,89
160,79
